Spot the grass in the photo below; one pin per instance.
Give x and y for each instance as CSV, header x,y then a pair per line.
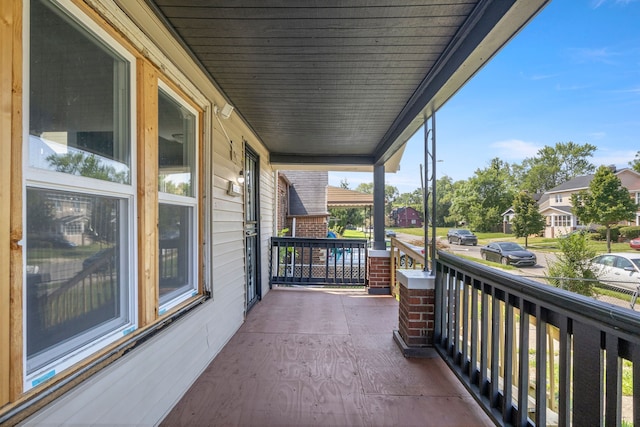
x,y
536,243
353,234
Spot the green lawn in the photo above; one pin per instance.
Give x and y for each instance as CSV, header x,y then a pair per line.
x,y
535,243
353,234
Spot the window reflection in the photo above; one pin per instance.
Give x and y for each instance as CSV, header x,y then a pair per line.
x,y
174,225
75,290
79,100
176,147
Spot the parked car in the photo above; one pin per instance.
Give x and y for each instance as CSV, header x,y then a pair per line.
x,y
461,237
618,269
508,253
390,233
635,243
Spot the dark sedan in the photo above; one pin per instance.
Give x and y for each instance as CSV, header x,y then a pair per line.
x,y
508,253
462,237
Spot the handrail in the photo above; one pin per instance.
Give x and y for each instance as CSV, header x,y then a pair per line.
x,y
313,261
499,333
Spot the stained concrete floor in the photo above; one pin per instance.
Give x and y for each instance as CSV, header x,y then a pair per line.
x,y
323,357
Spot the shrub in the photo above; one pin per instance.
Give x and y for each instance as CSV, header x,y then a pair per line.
x,y
615,233
573,266
630,232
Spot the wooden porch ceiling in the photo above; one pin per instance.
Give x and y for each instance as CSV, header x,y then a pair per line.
x,y
341,82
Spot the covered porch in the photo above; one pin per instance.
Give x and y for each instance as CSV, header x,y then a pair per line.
x,y
324,356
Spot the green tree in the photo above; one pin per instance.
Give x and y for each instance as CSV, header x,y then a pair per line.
x,y
365,187
390,194
413,199
527,219
635,163
444,195
79,163
572,269
344,183
552,166
606,202
341,217
480,201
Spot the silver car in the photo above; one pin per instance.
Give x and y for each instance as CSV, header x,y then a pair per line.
x,y
618,269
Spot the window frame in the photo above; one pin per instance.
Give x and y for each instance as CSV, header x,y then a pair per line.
x,y
192,202
43,179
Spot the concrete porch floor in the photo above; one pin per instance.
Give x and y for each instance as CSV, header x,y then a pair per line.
x,y
324,357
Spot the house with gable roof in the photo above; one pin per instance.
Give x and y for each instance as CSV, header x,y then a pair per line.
x,y
556,207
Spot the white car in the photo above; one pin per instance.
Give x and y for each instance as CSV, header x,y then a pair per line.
x,y
620,269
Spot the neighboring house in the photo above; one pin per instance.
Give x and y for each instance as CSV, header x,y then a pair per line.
x,y
507,217
304,200
555,204
304,194
406,217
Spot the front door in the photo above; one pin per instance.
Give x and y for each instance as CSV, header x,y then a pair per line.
x,y
252,227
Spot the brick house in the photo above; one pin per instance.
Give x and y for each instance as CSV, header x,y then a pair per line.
x,y
302,203
406,217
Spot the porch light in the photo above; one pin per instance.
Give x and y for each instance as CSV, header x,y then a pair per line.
x,y
226,111
241,177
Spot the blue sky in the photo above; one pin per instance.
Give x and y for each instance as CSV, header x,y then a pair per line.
x,y
573,74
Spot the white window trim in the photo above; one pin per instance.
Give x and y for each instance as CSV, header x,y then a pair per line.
x,y
44,179
188,201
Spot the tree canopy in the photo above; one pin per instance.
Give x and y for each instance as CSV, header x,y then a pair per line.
x,y
552,166
481,200
635,163
527,219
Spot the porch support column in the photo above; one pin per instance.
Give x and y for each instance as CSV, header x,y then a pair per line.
x,y
416,322
378,258
378,208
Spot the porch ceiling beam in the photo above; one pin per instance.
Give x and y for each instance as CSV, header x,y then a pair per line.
x,y
293,159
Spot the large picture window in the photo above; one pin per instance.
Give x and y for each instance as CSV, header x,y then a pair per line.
x,y
79,208
177,172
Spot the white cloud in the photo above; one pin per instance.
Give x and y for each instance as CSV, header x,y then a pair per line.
x,y
597,135
597,3
515,149
536,77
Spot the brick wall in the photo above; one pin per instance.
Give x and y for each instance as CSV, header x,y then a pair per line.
x,y
283,203
416,321
315,226
379,273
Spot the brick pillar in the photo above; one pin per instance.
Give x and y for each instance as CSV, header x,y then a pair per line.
x,y
416,322
379,272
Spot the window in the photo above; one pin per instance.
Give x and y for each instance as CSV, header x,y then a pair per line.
x,y
558,198
79,215
563,221
177,197
638,198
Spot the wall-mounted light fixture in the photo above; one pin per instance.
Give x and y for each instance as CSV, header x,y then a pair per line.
x,y
226,111
241,177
